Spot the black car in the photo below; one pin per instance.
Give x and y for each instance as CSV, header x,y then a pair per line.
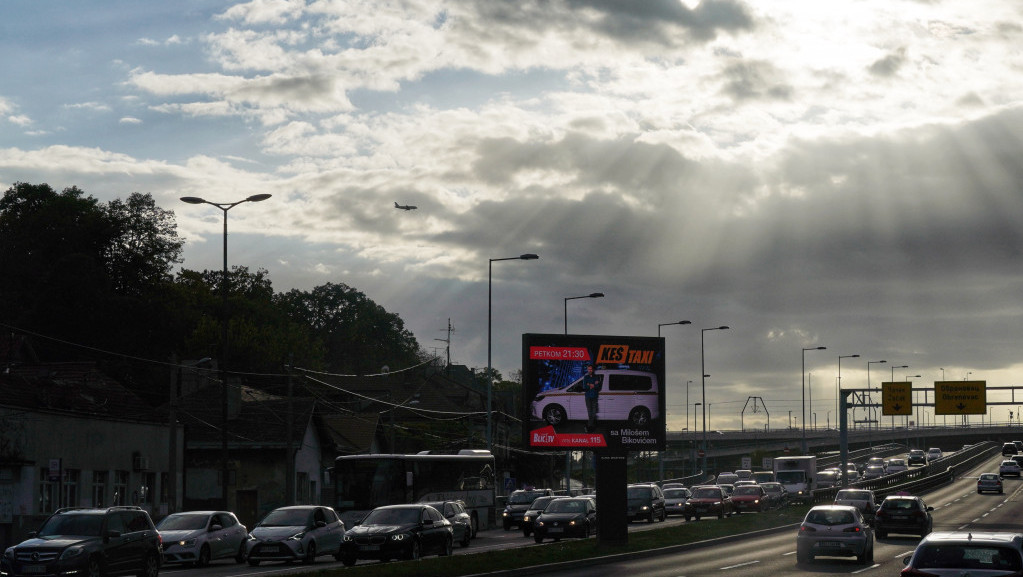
x,y
398,532
566,517
903,514
917,457
518,502
461,521
1009,449
92,542
646,501
533,512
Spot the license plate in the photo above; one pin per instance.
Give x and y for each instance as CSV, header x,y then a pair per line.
x,y
830,543
701,509
34,569
899,517
269,549
371,547
556,530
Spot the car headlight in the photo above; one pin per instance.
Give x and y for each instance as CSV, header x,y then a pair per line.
x,y
399,537
347,538
644,508
539,523
9,553
538,398
525,518
297,536
71,552
187,543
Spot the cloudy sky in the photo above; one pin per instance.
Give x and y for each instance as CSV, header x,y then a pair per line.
x,y
809,173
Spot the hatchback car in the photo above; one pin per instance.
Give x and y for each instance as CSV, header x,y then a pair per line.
x,y
829,478
917,457
534,510
989,482
570,517
903,514
776,494
92,542
517,505
398,532
296,533
645,501
625,395
1009,449
834,531
675,501
933,454
751,498
198,537
708,501
862,499
896,466
873,472
953,554
1009,468
461,521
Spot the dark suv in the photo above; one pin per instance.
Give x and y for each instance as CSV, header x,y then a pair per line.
x,y
89,542
646,501
518,503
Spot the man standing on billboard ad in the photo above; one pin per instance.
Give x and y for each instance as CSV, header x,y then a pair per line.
x,y
591,391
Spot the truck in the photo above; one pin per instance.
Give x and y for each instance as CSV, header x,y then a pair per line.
x,y
797,475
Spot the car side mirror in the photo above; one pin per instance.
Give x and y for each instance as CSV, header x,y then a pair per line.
x,y
215,528
321,523
906,559
427,521
930,508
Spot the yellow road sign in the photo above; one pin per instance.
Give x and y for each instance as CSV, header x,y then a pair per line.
x,y
896,399
960,397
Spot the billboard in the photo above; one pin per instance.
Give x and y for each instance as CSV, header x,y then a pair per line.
x,y
593,392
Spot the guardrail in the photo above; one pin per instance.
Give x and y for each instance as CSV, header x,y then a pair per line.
x,y
935,474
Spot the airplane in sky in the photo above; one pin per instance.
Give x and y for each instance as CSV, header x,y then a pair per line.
x,y
405,206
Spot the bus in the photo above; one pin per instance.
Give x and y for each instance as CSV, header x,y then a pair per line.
x,y
365,482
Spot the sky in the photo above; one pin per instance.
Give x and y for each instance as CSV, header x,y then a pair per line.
x,y
807,173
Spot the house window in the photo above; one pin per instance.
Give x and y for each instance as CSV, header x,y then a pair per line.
x,y
48,491
120,488
72,477
99,488
302,485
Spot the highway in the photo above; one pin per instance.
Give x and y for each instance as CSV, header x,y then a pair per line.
x,y
956,507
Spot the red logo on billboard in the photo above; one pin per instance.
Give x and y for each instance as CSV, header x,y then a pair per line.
x,y
546,437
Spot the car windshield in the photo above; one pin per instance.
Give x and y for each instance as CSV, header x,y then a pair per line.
x,y
674,493
639,492
829,517
747,490
772,488
399,516
523,498
853,495
540,502
706,493
565,506
84,525
286,518
989,477
790,477
182,522
899,504
986,557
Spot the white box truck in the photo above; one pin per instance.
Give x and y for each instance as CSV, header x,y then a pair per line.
x,y
797,475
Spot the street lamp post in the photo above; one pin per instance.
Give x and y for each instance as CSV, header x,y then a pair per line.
x,y
839,397
703,390
694,443
224,207
660,454
589,296
804,392
490,370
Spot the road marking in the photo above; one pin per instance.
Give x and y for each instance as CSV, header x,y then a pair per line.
x,y
910,552
789,553
874,566
739,565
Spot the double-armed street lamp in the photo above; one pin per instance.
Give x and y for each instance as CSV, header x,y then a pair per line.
x,y
490,370
589,296
224,321
804,447
703,389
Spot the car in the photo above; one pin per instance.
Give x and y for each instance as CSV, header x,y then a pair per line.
x,y
776,493
645,501
460,519
744,474
1019,445
744,482
903,514
1009,468
1009,449
828,478
675,500
989,482
90,542
398,532
534,510
873,472
749,498
862,499
626,395
295,533
726,478
728,487
896,466
571,517
834,531
933,454
916,457
666,486
517,505
198,537
852,474
763,476
993,554
708,501
1018,459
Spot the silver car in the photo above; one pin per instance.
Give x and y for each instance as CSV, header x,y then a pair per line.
x,y
835,530
955,554
298,533
198,537
862,499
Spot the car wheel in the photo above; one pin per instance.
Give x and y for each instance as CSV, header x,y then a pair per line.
x,y
697,517
687,518
204,557
348,560
340,552
150,566
310,553
466,537
95,568
527,532
447,550
254,562
537,539
721,513
507,526
240,557
586,531
475,523
415,552
802,556
554,414
882,534
639,416
664,515
650,517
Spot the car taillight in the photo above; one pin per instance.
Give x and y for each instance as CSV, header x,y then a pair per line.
x,y
912,572
851,530
806,529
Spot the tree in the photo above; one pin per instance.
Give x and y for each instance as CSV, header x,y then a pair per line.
x,y
146,245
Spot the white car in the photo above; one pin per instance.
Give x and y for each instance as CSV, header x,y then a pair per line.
x,y
1009,468
198,537
896,466
625,395
933,453
297,533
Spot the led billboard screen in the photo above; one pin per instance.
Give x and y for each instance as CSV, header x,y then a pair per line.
x,y
593,392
